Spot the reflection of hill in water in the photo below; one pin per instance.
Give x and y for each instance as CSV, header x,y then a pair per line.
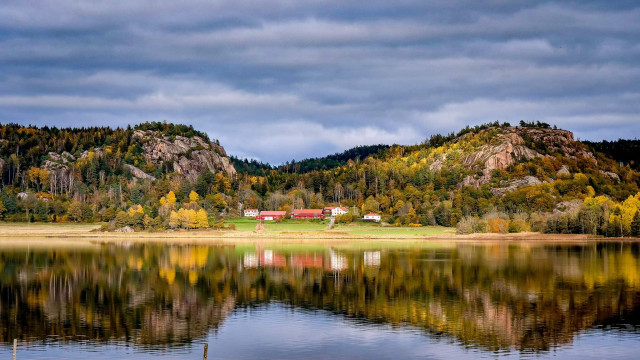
x,y
489,296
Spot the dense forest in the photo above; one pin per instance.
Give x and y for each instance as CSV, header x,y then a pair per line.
x,y
489,178
255,167
625,151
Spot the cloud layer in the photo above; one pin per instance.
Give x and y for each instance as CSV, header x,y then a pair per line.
x,y
277,80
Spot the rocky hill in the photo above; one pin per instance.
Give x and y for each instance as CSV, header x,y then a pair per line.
x,y
189,156
506,158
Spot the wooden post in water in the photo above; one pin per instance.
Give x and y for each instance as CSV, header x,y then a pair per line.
x,y
206,348
15,347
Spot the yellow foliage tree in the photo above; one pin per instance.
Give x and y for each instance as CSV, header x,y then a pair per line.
x,y
187,218
171,198
174,220
202,219
193,196
135,209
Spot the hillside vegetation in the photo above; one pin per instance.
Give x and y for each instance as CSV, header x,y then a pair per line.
x,y
491,178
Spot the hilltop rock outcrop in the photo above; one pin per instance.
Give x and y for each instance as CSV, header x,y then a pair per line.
x,y
509,149
556,139
511,146
190,156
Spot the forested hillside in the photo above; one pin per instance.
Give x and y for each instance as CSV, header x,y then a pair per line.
x,y
625,151
494,177
254,167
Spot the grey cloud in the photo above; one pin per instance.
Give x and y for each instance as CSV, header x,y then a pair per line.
x,y
321,75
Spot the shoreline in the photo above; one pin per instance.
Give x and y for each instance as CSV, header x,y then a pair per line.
x,y
71,232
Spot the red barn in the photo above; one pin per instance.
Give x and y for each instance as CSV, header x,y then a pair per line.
x,y
271,215
307,214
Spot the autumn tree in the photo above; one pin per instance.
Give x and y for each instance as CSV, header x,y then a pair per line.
x,y
202,219
635,225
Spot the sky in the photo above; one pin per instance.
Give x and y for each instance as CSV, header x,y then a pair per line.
x,y
289,79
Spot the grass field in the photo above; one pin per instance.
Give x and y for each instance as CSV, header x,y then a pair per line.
x,y
245,224
299,231
363,229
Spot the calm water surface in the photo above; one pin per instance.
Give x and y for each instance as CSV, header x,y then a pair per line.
x,y
357,300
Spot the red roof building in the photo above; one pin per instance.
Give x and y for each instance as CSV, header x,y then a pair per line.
x,y
271,215
307,214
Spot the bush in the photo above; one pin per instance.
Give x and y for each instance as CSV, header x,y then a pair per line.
x,y
517,224
470,225
344,218
498,226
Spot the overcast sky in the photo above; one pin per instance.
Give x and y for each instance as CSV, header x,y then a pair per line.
x,y
289,79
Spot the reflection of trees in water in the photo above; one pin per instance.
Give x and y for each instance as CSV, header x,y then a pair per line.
x,y
75,296
491,296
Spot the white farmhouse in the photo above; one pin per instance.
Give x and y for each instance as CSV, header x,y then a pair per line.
x,y
251,212
372,217
339,211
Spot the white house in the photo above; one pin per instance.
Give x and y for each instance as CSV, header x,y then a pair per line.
x,y
251,212
339,211
372,217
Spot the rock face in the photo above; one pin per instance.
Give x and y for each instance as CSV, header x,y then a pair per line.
x,y
189,156
515,184
557,140
611,175
509,149
139,173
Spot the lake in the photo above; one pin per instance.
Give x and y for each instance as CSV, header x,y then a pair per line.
x,y
66,300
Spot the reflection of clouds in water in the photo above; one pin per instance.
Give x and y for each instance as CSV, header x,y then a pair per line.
x,y
372,258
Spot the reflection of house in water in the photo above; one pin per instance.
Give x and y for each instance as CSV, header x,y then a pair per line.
x,y
250,260
307,261
265,258
269,258
338,261
372,258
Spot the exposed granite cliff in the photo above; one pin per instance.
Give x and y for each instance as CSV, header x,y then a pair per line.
x,y
511,145
189,156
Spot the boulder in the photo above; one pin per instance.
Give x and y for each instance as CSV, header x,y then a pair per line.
x,y
125,229
563,172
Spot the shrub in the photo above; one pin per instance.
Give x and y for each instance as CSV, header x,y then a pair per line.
x,y
470,225
498,225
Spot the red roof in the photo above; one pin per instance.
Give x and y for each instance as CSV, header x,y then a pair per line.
x,y
343,208
372,214
329,207
273,213
307,211
250,209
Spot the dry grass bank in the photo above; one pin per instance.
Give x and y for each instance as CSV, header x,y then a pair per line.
x,y
64,233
